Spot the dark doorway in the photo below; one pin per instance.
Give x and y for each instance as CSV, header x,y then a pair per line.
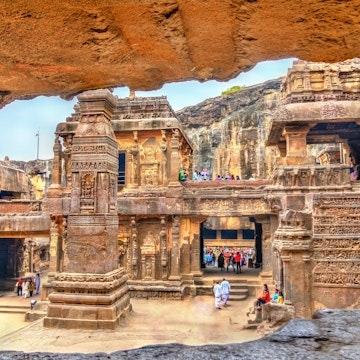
x,y
4,251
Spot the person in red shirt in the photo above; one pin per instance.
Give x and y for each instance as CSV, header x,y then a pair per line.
x,y
237,261
19,287
263,299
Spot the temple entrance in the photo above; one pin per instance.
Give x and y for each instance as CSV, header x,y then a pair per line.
x,y
229,235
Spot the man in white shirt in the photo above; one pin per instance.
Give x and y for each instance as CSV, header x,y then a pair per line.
x,y
225,291
217,294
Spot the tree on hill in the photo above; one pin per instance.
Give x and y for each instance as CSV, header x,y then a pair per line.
x,y
233,89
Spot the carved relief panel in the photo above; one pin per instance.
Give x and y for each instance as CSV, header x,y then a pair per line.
x,y
336,243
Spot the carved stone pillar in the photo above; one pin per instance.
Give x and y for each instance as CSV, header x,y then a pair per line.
x,y
293,242
174,159
54,248
267,255
91,264
296,151
175,253
134,248
56,167
164,162
195,264
133,163
163,248
287,277
67,157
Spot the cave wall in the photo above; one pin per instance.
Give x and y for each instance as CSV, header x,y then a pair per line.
x,y
64,48
228,133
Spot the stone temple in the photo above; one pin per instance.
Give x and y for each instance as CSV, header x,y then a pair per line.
x,y
122,225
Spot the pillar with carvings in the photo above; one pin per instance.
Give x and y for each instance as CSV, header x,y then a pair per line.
x,y
195,263
134,249
164,162
133,163
56,166
175,253
67,157
267,253
91,264
163,248
174,159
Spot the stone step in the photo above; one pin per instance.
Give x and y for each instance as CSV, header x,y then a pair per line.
x,y
238,297
12,309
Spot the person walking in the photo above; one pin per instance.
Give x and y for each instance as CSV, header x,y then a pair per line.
x,y
217,294
221,261
37,284
31,287
225,291
237,262
25,289
19,287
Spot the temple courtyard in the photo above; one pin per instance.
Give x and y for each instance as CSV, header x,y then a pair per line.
x,y
192,321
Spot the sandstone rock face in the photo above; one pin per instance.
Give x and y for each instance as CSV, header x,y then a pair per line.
x,y
54,48
228,133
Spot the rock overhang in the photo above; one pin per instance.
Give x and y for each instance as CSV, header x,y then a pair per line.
x,y
50,48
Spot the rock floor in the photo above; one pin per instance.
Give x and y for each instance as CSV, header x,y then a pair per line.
x,y
193,321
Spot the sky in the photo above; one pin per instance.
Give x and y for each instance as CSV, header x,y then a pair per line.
x,y
22,120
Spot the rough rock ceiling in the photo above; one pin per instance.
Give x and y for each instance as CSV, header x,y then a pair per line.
x,y
64,47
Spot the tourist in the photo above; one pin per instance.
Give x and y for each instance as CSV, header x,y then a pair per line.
x,y
275,297
25,289
230,262
31,287
195,175
182,175
225,291
280,298
238,262
219,177
221,261
263,299
19,287
217,294
213,259
37,284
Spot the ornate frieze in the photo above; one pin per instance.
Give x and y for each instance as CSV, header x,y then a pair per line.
x,y
295,176
332,110
337,229
211,206
102,166
336,241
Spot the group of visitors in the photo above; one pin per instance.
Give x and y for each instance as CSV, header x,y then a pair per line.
x,y
226,258
228,177
221,293
201,175
277,298
27,285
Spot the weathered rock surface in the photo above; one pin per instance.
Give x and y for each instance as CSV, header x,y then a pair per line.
x,y
63,48
228,133
331,334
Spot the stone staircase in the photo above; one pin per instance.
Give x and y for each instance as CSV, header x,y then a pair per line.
x,y
14,309
240,288
355,186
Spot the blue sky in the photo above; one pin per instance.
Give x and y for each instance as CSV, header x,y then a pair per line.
x,y
21,120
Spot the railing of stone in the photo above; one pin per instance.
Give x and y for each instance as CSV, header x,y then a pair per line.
x,y
335,175
219,184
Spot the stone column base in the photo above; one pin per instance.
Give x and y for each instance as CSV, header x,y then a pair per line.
x,y
88,301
